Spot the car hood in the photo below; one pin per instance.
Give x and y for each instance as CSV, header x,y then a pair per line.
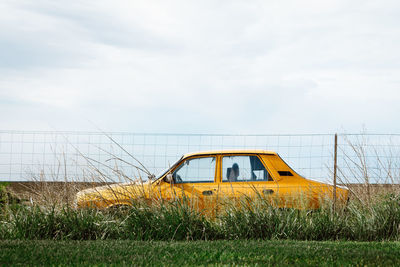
x,y
120,191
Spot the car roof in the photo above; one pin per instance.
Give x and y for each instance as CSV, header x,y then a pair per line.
x,y
234,151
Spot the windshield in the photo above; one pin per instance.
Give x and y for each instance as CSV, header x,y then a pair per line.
x,y
161,174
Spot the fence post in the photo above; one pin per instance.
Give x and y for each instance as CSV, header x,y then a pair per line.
x,y
334,173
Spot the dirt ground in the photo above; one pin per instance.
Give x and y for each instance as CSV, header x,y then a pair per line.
x,y
49,191
65,191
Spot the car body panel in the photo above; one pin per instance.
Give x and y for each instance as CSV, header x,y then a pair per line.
x,y
280,183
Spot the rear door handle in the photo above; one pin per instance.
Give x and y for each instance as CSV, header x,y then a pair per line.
x,y
207,192
268,191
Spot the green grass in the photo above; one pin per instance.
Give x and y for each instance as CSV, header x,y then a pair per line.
x,y
223,252
379,221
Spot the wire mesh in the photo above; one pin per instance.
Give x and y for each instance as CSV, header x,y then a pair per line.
x,y
369,158
58,156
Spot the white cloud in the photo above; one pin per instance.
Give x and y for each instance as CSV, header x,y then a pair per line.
x,y
178,66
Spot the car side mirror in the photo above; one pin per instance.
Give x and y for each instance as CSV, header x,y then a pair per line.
x,y
169,178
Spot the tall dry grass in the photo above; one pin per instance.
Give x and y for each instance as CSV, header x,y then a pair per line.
x,y
177,220
369,216
368,169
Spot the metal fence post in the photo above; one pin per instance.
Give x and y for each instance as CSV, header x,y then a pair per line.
x,y
335,173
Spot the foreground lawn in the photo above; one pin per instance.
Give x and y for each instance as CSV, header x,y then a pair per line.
x,y
241,252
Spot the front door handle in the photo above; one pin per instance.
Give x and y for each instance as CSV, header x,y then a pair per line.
x,y
207,192
268,191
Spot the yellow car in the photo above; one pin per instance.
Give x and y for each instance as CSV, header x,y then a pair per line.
x,y
212,176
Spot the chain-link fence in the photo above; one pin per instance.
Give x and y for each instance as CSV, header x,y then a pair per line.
x,y
369,158
72,156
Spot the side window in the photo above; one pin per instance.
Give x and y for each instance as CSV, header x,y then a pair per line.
x,y
243,169
197,170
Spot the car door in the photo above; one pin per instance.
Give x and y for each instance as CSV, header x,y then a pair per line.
x,y
194,179
246,175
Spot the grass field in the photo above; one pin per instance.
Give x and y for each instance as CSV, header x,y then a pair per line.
x,y
176,220
162,253
245,235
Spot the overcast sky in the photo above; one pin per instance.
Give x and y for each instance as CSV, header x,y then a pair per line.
x,y
200,66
